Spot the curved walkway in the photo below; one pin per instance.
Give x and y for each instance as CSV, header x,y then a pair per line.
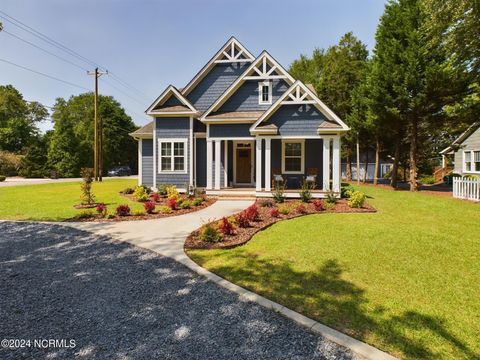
x,y
167,236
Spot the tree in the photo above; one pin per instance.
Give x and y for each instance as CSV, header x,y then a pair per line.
x,y
18,120
34,163
71,147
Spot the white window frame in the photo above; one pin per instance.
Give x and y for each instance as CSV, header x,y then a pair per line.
x,y
172,141
261,84
302,156
472,162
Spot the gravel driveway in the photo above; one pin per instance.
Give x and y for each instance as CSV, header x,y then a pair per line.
x,y
121,302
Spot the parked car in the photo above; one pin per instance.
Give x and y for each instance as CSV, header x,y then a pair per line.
x,y
120,171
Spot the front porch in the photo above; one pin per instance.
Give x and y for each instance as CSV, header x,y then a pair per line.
x,y
249,166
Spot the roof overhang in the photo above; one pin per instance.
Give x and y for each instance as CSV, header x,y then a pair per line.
x,y
164,96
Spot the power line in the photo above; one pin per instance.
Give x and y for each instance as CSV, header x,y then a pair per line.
x,y
43,74
123,92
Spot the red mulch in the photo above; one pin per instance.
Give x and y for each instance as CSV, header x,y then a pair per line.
x,y
243,235
156,215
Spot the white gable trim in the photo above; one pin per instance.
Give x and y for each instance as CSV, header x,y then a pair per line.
x,y
170,90
299,94
227,51
261,69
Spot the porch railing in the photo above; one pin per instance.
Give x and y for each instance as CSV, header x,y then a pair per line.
x,y
468,189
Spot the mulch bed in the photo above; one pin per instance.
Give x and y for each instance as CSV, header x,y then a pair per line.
x,y
243,235
156,215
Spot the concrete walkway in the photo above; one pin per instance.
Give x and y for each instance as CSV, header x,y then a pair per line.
x,y
19,181
167,236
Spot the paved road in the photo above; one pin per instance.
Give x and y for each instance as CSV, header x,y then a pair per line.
x,y
119,301
19,181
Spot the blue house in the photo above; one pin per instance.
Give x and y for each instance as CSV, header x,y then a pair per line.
x,y
242,123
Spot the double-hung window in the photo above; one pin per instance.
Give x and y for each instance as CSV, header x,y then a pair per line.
x,y
293,152
265,92
471,161
172,155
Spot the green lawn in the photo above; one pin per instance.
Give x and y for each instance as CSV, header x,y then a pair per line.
x,y
406,279
54,202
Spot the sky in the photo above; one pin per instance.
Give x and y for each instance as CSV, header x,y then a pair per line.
x,y
151,44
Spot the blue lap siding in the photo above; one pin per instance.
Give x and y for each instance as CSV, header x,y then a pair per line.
x,y
230,130
147,162
301,120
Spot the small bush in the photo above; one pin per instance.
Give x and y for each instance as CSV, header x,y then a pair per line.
x,y
149,207
127,191
197,201
426,180
346,190
86,214
284,209
274,213
318,205
2,178
305,192
172,203
242,219
357,199
226,227
232,220
331,198
267,203
252,213
155,197
87,195
278,191
165,210
147,189
102,209
209,233
185,204
140,194
122,210
137,213
172,192
301,209
329,205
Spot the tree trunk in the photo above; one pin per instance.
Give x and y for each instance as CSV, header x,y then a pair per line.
x,y
358,160
394,177
413,155
377,160
348,169
365,174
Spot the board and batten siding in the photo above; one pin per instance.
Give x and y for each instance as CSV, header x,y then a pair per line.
x,y
201,162
174,127
147,162
214,84
230,130
246,97
470,143
293,120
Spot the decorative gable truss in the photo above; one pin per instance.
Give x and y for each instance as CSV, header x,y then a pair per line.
x,y
300,94
171,102
265,67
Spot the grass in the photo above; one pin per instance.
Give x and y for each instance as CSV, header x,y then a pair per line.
x,y
54,202
405,279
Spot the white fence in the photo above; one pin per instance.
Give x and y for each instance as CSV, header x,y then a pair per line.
x,y
468,189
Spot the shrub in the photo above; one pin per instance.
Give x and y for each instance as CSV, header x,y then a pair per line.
x,y
301,209
252,213
138,213
185,204
357,199
155,197
127,191
284,209
242,219
331,198
10,163
2,178
165,210
318,205
102,209
140,193
305,193
329,205
278,191
426,180
232,220
147,189
267,203
346,190
226,227
172,203
149,207
209,233
274,213
162,189
197,201
86,214
87,196
172,192
123,210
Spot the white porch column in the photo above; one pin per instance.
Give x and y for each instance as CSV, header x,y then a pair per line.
x,y
268,160
336,164
190,157
140,180
209,164
225,163
326,164
155,154
258,161
218,160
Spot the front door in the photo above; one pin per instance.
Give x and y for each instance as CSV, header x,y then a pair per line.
x,y
243,163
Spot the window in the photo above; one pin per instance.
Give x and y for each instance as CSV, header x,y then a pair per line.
x,y
293,157
265,92
172,155
471,161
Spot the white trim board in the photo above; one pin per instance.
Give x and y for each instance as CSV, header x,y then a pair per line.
x,y
302,156
164,96
252,162
172,156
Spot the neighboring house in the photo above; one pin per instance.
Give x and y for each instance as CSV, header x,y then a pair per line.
x,y
367,163
241,122
466,152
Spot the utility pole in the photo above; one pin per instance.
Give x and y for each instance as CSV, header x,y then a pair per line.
x,y
97,130
358,160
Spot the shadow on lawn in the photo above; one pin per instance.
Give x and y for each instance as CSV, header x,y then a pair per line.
x,y
325,296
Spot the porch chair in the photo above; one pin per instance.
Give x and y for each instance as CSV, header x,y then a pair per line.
x,y
311,178
277,177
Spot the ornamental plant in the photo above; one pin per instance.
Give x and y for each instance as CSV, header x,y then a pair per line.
x,y
209,233
165,209
102,209
242,219
226,227
149,207
252,213
172,203
185,204
197,201
122,210
155,197
87,196
140,193
318,205
305,193
301,209
274,213
356,199
172,192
